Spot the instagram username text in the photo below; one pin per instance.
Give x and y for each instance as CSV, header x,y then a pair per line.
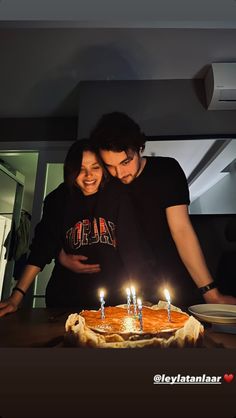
x,y
179,379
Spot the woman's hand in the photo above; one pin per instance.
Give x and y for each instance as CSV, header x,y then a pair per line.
x,y
76,263
8,306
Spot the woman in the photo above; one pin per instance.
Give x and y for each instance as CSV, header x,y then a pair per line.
x,y
90,216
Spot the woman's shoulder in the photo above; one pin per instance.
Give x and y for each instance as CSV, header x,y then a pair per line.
x,y
59,193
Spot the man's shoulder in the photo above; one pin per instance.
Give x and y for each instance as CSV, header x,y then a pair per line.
x,y
160,163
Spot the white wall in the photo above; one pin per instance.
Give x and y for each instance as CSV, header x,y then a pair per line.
x,y
219,199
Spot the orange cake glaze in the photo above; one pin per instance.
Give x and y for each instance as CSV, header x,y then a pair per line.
x,y
118,321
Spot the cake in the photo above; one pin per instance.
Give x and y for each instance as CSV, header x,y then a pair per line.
x,y
122,330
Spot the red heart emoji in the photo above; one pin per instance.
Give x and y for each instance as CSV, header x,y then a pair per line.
x,y
228,377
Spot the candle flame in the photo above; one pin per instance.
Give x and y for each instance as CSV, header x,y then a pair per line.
x,y
167,295
128,291
133,290
139,302
101,294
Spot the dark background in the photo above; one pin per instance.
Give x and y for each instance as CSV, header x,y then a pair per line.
x,y
71,382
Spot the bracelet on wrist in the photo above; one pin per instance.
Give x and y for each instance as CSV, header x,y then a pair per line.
x,y
18,290
205,289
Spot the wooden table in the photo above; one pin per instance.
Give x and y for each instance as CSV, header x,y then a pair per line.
x,y
41,327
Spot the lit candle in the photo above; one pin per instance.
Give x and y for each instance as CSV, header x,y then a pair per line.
x,y
102,304
140,315
128,300
134,299
167,296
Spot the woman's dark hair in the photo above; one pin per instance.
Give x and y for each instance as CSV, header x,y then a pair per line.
x,y
117,132
73,161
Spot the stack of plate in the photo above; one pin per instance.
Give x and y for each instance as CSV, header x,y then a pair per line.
x,y
223,317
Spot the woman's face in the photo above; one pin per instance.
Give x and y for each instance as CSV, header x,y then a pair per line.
x,y
90,175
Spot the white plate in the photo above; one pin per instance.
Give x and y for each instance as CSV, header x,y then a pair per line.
x,y
214,313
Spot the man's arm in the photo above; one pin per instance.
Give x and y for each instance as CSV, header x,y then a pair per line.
x,y
190,252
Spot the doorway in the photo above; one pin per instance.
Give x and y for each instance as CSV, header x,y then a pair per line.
x,y
36,161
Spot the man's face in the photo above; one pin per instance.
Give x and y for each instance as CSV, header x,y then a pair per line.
x,y
124,165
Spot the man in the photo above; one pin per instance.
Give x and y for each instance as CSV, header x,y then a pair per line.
x,y
158,189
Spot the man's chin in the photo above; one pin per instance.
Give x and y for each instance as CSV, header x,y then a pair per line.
x,y
127,180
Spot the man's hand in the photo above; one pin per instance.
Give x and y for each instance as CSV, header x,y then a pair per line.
x,y
7,307
214,296
76,263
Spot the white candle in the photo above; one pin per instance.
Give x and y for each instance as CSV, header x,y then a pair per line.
x,y
140,314
134,299
102,301
128,300
167,296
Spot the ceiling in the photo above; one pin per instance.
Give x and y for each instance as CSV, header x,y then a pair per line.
x,y
122,12
48,47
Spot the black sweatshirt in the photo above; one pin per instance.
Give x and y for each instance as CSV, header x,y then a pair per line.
x,y
99,226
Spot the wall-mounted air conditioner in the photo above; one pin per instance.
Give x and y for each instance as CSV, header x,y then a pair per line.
x,y
220,85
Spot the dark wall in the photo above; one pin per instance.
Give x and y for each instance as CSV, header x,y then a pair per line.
x,y
161,107
38,129
217,236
